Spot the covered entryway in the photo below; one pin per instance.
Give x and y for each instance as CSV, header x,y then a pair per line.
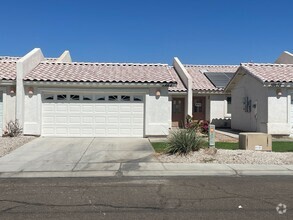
x,y
1,113
92,115
178,112
199,106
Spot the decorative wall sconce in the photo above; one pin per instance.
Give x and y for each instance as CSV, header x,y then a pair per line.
x,y
279,92
30,90
12,90
158,93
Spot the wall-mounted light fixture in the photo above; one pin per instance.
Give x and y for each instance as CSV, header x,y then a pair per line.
x,y
279,92
30,90
158,93
12,90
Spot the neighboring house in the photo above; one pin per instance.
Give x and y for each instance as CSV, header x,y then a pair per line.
x,y
285,58
201,93
262,97
57,97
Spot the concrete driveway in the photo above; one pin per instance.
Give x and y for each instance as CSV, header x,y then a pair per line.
x,y
77,154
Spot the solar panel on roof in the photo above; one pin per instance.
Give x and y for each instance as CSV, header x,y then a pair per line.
x,y
219,80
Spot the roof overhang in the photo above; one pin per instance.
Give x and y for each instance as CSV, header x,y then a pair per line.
x,y
4,82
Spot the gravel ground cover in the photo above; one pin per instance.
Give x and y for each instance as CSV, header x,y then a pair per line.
x,y
222,156
230,157
8,144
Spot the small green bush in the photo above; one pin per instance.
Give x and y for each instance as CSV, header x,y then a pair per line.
x,y
183,141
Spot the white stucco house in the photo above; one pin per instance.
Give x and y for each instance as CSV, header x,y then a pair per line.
x,y
262,97
57,97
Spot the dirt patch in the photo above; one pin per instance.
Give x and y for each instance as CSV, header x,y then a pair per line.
x,y
225,138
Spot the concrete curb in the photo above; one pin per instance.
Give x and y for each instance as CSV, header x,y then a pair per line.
x,y
160,169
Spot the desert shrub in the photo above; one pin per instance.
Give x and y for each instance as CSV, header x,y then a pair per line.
x,y
13,129
183,141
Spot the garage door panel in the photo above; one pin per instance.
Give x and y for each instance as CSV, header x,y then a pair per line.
x,y
87,119
100,109
125,109
61,120
112,119
87,109
113,109
89,131
100,132
100,119
61,108
92,119
62,131
74,131
75,109
48,107
112,131
74,120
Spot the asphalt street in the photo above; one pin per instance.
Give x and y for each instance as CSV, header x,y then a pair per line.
x,y
147,198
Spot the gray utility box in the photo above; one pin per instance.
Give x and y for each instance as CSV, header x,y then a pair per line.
x,y
255,141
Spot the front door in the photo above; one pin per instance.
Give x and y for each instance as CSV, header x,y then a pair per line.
x,y
199,108
178,112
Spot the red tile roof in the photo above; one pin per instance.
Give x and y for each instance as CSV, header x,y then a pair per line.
x,y
200,81
101,72
7,70
180,86
270,72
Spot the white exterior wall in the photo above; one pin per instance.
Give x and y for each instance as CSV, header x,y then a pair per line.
x,y
157,116
218,111
157,113
32,113
257,119
279,112
8,106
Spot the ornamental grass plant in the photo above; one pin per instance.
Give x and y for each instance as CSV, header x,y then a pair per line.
x,y
183,141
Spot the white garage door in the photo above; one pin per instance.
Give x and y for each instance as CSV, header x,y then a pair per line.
x,y
92,115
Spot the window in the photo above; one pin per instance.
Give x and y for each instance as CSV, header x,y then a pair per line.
x,y
101,98
87,98
74,97
125,98
198,106
61,97
229,105
113,97
137,98
49,97
177,106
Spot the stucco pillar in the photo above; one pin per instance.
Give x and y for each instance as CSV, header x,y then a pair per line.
x,y
23,67
187,81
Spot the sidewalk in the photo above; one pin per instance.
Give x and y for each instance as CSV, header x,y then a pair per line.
x,y
157,169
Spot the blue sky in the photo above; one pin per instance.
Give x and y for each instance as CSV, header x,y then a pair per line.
x,y
198,32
